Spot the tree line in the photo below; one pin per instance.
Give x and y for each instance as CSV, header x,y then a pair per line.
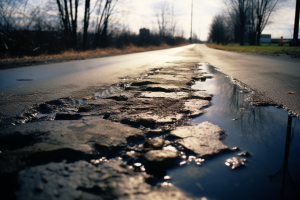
x,y
33,27
243,20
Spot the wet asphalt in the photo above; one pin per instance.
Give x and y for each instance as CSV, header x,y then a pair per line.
x,y
271,77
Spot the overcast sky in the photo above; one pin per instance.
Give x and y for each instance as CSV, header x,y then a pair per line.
x,y
141,14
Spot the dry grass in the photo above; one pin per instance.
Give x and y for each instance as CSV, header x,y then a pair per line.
x,y
263,48
72,53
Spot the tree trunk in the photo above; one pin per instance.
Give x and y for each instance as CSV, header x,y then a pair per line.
x,y
99,32
242,20
103,40
258,30
242,34
258,38
74,25
67,25
86,23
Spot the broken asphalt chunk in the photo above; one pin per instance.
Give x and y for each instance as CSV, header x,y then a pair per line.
x,y
244,153
201,95
161,158
173,95
193,106
204,139
74,180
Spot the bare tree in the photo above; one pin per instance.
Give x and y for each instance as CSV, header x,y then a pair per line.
x,y
102,21
263,10
161,16
217,29
68,11
17,19
166,19
238,11
252,16
173,22
86,20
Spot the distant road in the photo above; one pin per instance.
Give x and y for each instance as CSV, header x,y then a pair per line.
x,y
22,87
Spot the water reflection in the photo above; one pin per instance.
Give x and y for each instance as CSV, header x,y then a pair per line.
x,y
284,172
229,101
261,131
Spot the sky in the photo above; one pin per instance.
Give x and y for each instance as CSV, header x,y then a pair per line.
x,y
141,14
136,14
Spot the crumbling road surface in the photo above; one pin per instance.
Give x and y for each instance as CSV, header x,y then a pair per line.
x,y
116,142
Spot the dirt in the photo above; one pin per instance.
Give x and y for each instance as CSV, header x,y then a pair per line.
x,y
135,121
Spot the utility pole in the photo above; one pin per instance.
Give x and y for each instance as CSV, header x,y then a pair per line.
x,y
191,36
295,41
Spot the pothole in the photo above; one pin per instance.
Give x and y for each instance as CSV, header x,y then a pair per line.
x,y
158,105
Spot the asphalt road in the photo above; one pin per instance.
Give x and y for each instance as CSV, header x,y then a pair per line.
x,y
271,77
21,87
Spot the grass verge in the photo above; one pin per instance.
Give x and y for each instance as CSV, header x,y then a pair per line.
x,y
87,53
263,49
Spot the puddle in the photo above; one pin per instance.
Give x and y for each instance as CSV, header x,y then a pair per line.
x,y
266,157
272,168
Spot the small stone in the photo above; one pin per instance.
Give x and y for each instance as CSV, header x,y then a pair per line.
x,y
234,162
182,163
155,143
137,165
244,153
200,160
170,148
191,158
167,177
143,169
166,184
162,158
130,153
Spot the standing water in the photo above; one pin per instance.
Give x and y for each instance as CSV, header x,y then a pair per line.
x,y
268,133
